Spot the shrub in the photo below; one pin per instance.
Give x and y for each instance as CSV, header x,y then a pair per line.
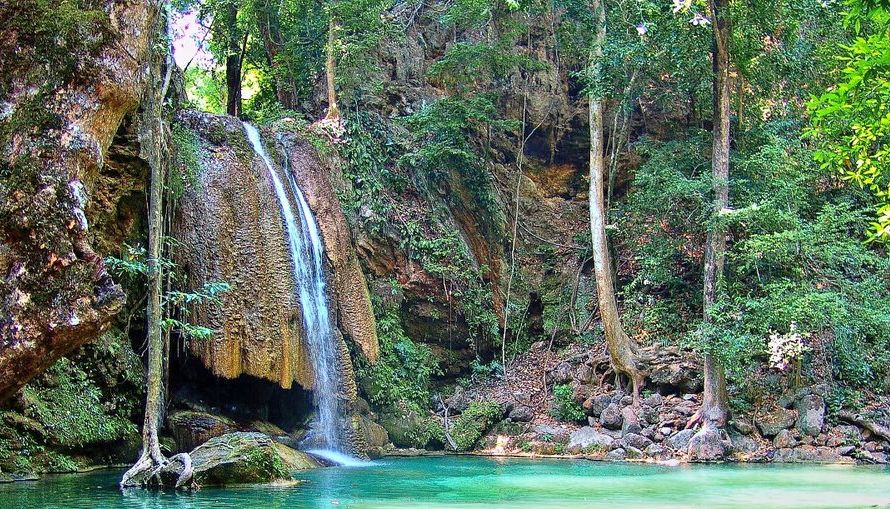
x,y
478,418
564,406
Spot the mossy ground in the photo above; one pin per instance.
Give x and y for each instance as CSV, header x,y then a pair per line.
x,y
83,403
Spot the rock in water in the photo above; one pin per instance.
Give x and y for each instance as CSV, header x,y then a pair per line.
x,y
707,445
245,458
588,437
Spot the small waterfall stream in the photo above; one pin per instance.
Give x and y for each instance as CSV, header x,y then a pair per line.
x,y
307,255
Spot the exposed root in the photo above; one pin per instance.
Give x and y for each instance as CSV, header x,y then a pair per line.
x,y
873,427
139,474
695,420
177,472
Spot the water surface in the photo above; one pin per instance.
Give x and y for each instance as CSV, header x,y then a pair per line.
x,y
473,482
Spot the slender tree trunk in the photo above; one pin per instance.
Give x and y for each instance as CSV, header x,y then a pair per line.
x,y
233,61
622,350
151,456
714,408
330,67
707,444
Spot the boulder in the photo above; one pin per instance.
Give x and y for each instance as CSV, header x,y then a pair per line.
x,y
584,374
633,452
616,455
636,441
631,422
654,401
785,439
588,437
772,423
680,440
521,413
658,452
809,454
743,444
650,414
191,429
554,432
561,374
246,458
594,406
811,414
707,445
611,417
743,425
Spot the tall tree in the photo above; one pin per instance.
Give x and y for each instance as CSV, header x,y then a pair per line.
x,y
330,68
234,59
622,349
707,444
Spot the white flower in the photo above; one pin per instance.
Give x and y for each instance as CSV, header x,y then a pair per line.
x,y
681,5
787,349
641,29
698,19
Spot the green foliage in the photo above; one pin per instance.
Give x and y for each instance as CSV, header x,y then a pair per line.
x,y
85,400
794,256
469,427
132,267
442,143
564,406
851,120
402,373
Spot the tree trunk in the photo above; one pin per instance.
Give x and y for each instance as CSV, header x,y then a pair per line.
x,y
151,456
622,350
330,68
714,408
270,32
233,61
707,444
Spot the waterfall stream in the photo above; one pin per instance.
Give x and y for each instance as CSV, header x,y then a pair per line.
x,y
307,255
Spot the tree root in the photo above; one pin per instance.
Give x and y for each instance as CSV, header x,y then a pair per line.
x,y
140,472
148,472
696,419
873,427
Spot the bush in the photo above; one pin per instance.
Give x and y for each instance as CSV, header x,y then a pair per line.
x,y
469,427
564,406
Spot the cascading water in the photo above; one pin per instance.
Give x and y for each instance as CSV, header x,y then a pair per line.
x,y
304,241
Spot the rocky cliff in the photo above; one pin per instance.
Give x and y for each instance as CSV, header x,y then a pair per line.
x,y
229,228
69,77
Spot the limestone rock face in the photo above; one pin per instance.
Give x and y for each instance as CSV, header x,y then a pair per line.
x,y
230,229
191,429
63,97
353,302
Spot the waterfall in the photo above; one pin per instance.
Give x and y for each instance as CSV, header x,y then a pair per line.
x,y
307,255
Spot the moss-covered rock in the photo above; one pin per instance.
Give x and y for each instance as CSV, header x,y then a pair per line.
x,y
246,458
191,429
408,428
469,427
80,413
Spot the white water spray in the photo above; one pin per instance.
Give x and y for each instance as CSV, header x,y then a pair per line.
x,y
307,258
